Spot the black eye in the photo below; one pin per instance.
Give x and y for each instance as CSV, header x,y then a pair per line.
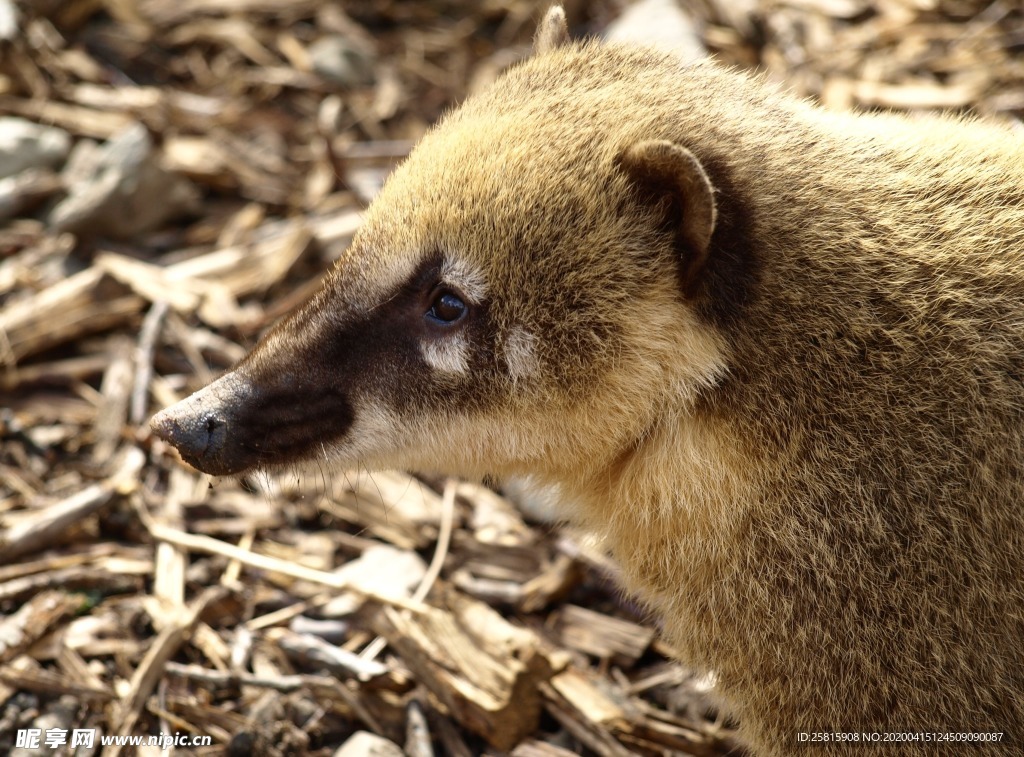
x,y
447,308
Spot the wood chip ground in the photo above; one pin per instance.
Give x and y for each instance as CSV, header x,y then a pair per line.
x,y
175,175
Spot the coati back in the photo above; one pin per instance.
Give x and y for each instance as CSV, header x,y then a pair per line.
x,y
774,355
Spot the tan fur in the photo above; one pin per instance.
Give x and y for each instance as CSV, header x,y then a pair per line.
x,y
810,462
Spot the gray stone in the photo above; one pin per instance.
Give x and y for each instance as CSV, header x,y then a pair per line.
x,y
25,145
119,189
342,61
21,193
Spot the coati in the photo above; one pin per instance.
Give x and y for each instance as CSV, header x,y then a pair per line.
x,y
774,355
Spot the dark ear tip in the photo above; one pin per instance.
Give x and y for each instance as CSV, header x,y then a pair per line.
x,y
649,167
649,148
553,31
555,14
655,159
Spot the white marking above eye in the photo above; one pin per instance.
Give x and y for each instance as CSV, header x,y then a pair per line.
x,y
465,279
448,354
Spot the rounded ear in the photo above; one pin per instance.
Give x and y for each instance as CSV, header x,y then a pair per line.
x,y
668,172
552,31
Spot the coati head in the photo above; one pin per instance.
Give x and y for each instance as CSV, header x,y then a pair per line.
x,y
520,298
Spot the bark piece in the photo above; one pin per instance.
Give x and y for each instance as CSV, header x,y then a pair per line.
x,y
484,671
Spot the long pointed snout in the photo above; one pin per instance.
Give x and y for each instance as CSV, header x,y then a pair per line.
x,y
205,426
245,419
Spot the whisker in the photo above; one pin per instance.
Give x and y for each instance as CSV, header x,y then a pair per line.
x,y
380,494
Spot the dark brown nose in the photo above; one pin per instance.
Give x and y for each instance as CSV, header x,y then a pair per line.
x,y
201,427
197,436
